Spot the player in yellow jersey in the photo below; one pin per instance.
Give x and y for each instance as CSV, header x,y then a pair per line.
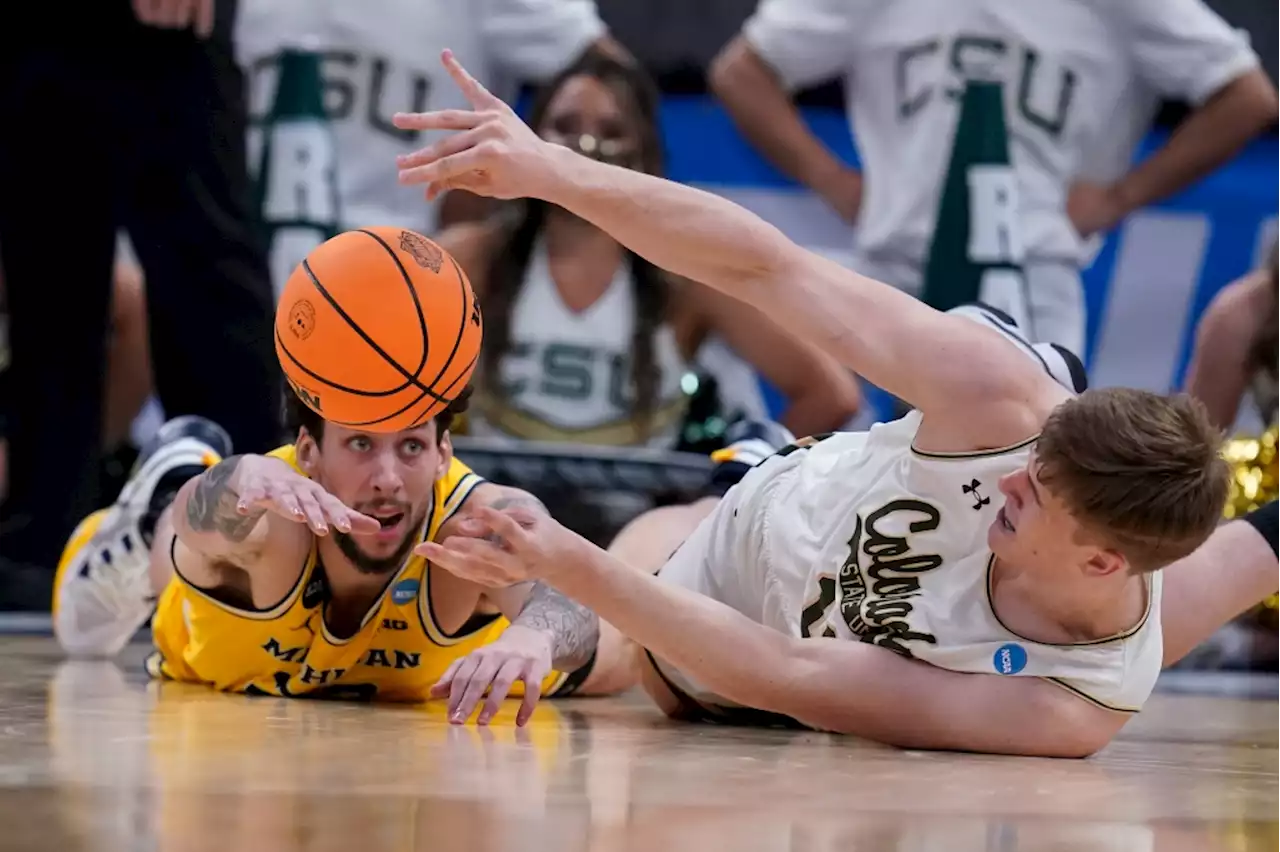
x,y
293,574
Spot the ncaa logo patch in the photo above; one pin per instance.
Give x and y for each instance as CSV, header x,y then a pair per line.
x,y
1010,659
404,592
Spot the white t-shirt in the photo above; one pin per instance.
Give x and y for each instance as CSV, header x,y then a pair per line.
x,y
383,56
1082,80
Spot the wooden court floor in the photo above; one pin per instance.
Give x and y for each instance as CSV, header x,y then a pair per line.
x,y
93,757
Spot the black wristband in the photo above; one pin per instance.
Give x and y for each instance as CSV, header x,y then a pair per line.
x,y
1265,520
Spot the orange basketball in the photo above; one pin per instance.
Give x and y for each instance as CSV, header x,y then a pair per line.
x,y
378,329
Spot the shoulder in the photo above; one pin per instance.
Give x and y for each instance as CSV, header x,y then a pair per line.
x,y
471,493
1117,675
471,244
1231,320
457,487
288,454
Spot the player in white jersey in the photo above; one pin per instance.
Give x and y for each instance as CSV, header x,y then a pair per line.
x,y
1082,82
1009,532
378,57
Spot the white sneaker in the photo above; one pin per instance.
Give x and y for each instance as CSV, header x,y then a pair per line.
x,y
102,591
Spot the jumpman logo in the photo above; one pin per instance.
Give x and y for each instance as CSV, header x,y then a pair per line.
x,y
979,500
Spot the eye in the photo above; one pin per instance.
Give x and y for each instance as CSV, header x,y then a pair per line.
x,y
359,443
413,447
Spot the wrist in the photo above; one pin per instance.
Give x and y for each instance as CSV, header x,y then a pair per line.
x,y
825,173
563,165
521,632
1125,198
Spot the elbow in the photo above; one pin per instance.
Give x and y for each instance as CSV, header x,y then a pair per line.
x,y
734,72
1252,100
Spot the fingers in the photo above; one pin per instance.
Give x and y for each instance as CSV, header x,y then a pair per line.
x,y
510,524
313,513
444,119
466,694
445,170
441,687
457,687
511,671
474,560
283,501
478,95
345,518
532,692
446,147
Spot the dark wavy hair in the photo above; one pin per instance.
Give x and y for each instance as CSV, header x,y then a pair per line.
x,y
639,96
298,416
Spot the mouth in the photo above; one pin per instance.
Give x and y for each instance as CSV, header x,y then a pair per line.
x,y
390,519
1003,520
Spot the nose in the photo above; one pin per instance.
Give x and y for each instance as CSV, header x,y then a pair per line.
x,y
386,477
1008,484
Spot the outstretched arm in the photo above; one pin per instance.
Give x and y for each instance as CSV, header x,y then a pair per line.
x,y
949,368
548,631
833,685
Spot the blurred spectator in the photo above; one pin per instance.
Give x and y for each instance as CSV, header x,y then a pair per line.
x,y
1082,83
1236,348
130,119
381,57
588,342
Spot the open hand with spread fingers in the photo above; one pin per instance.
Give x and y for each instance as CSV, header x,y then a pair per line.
x,y
269,485
497,548
493,153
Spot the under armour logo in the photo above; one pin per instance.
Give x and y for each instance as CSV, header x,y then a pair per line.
x,y
978,500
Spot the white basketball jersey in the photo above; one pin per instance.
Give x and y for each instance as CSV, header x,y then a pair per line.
x,y
568,375
1082,82
865,537
380,57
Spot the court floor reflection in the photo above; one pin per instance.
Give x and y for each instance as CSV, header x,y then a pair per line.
x,y
95,757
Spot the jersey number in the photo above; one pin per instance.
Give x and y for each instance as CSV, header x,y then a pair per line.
x,y
816,612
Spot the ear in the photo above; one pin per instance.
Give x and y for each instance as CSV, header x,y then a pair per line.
x,y
308,452
446,456
1105,562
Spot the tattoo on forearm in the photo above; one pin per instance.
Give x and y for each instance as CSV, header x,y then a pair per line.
x,y
575,630
212,505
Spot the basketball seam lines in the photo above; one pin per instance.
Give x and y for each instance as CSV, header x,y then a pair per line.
x,y
413,294
410,379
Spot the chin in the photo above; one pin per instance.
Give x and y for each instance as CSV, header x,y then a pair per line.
x,y
1000,541
378,554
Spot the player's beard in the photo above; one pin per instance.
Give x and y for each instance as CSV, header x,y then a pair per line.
x,y
366,564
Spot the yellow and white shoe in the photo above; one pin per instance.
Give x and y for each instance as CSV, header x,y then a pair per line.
x,y
102,590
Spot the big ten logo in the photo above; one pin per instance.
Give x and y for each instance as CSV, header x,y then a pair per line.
x,y
1042,91
394,624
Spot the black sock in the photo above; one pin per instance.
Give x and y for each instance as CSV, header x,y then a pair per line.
x,y
166,490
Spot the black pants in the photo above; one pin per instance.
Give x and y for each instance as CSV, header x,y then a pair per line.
x,y
123,126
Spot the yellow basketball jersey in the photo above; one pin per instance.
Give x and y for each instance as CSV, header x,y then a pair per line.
x,y
287,650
